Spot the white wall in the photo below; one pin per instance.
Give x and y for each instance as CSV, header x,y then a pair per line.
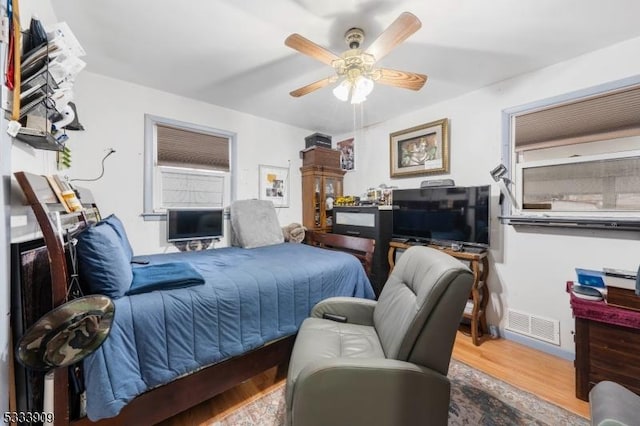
x,y
112,112
528,268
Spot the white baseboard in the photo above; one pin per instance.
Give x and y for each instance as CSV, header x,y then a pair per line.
x,y
538,345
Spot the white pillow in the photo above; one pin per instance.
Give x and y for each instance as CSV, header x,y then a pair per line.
x,y
254,223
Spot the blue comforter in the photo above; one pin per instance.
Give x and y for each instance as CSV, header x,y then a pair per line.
x,y
250,297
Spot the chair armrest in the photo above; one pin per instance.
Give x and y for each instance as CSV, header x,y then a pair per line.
x,y
613,404
369,391
356,310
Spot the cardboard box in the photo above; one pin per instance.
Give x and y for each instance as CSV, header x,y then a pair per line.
x,y
319,156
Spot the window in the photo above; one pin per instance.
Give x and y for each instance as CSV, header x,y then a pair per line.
x,y
186,165
577,155
604,183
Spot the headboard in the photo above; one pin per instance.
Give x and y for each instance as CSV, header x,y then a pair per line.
x,y
55,221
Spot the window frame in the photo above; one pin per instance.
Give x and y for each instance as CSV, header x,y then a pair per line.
x,y
150,184
510,154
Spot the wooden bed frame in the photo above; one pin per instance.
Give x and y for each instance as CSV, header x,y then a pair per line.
x,y
186,392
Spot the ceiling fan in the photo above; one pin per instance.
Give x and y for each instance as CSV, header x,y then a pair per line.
x,y
356,67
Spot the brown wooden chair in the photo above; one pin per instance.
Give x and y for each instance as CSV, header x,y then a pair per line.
x,y
362,248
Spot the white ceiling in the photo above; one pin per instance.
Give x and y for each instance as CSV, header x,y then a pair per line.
x,y
232,53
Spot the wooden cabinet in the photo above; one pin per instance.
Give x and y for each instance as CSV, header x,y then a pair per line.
x,y
368,222
476,309
321,185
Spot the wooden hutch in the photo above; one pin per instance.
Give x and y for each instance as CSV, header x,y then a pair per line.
x,y
321,184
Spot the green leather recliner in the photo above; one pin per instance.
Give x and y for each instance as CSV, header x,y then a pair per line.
x,y
387,363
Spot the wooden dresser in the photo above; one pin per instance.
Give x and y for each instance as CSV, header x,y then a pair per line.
x,y
607,340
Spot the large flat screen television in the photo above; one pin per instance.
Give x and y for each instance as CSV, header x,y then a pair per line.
x,y
194,224
443,215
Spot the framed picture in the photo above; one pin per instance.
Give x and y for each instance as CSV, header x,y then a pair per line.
x,y
420,150
347,154
274,185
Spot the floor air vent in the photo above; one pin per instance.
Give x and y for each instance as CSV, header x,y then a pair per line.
x,y
540,328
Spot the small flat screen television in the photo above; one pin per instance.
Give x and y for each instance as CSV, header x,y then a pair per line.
x,y
443,215
194,224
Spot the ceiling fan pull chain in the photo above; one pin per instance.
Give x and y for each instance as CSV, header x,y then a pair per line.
x,y
353,110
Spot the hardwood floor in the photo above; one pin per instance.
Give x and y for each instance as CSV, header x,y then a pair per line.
x,y
547,376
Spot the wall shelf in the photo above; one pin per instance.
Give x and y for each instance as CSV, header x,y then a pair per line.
x,y
39,139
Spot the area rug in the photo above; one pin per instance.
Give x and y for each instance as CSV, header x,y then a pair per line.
x,y
476,399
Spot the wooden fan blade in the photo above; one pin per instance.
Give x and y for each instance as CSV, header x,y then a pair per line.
x,y
404,79
405,25
312,87
309,48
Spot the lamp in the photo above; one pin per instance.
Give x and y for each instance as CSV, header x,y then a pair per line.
x,y
499,174
354,88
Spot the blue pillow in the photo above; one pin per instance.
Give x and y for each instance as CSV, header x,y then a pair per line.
x,y
104,265
164,276
118,226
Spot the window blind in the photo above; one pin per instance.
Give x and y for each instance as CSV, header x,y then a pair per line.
x,y
187,148
191,189
606,116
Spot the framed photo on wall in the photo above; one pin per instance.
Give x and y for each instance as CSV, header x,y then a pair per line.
x,y
274,184
347,154
420,150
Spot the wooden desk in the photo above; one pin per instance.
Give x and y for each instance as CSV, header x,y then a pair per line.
x,y
479,264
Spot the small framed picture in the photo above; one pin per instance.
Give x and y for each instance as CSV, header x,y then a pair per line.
x,y
347,154
274,184
420,150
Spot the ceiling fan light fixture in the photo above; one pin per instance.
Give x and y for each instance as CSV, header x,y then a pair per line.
x,y
343,90
354,90
362,87
356,63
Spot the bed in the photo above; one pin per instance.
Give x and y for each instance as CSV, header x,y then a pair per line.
x,y
205,338
250,297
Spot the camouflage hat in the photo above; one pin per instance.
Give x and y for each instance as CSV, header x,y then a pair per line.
x,y
67,334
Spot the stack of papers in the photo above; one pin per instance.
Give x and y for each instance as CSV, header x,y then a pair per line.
x,y
620,278
48,73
